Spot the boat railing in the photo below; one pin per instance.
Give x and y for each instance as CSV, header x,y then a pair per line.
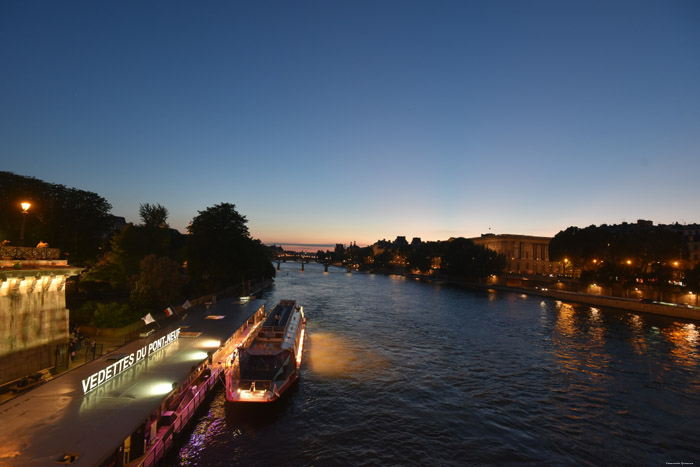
x,y
164,438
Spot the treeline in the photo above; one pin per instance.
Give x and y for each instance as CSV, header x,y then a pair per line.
x,y
626,255
619,256
458,257
76,221
137,268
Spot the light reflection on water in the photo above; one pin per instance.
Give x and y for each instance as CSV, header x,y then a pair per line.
x,y
335,356
401,372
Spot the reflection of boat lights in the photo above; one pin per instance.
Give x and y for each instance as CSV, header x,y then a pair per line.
x,y
161,388
301,346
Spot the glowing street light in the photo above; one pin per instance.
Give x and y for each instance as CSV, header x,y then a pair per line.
x,y
25,209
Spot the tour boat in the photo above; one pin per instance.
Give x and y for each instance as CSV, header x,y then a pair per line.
x,y
267,364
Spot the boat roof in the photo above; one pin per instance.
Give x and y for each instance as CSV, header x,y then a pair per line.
x,y
263,366
278,318
57,418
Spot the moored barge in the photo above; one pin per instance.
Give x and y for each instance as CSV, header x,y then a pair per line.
x,y
128,408
267,365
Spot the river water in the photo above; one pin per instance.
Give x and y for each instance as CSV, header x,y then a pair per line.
x,y
402,372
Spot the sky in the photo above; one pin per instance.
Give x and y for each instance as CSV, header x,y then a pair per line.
x,y
331,122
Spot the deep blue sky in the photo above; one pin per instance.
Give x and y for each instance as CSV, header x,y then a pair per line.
x,y
335,121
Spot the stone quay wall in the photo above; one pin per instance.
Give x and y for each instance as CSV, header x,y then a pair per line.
x,y
33,319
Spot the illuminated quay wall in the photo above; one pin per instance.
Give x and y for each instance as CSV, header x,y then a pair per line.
x,y
525,254
33,315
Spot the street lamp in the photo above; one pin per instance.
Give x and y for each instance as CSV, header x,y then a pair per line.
x,y
25,209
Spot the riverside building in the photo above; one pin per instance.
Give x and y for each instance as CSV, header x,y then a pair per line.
x,y
525,254
33,314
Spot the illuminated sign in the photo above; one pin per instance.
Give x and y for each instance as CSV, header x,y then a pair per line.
x,y
127,361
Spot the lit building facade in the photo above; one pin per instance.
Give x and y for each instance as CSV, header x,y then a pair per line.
x,y
525,254
33,313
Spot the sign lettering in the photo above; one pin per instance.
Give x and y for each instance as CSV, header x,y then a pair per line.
x,y
125,362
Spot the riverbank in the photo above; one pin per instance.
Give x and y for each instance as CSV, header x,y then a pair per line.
x,y
108,340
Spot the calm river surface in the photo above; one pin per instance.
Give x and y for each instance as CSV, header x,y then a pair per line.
x,y
401,372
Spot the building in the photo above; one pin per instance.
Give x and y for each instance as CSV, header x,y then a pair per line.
x,y
525,254
691,234
33,313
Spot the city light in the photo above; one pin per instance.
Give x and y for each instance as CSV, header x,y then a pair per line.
x,y
25,209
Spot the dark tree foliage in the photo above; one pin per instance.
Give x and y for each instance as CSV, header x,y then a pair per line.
x,y
421,256
620,253
220,251
159,283
692,279
462,258
76,221
130,246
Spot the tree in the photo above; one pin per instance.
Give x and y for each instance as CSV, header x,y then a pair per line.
x,y
462,258
76,221
158,283
220,251
692,279
130,246
421,256
153,215
620,254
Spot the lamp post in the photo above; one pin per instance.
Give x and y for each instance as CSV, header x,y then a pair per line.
x,y
25,209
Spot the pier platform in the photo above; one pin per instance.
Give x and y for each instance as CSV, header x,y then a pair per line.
x,y
127,407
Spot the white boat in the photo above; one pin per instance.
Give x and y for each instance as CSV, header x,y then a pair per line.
x,y
267,365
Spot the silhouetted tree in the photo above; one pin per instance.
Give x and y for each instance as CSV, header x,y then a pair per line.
x,y
158,283
462,258
153,215
620,253
421,256
220,251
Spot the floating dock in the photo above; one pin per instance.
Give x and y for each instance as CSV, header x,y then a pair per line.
x,y
128,407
